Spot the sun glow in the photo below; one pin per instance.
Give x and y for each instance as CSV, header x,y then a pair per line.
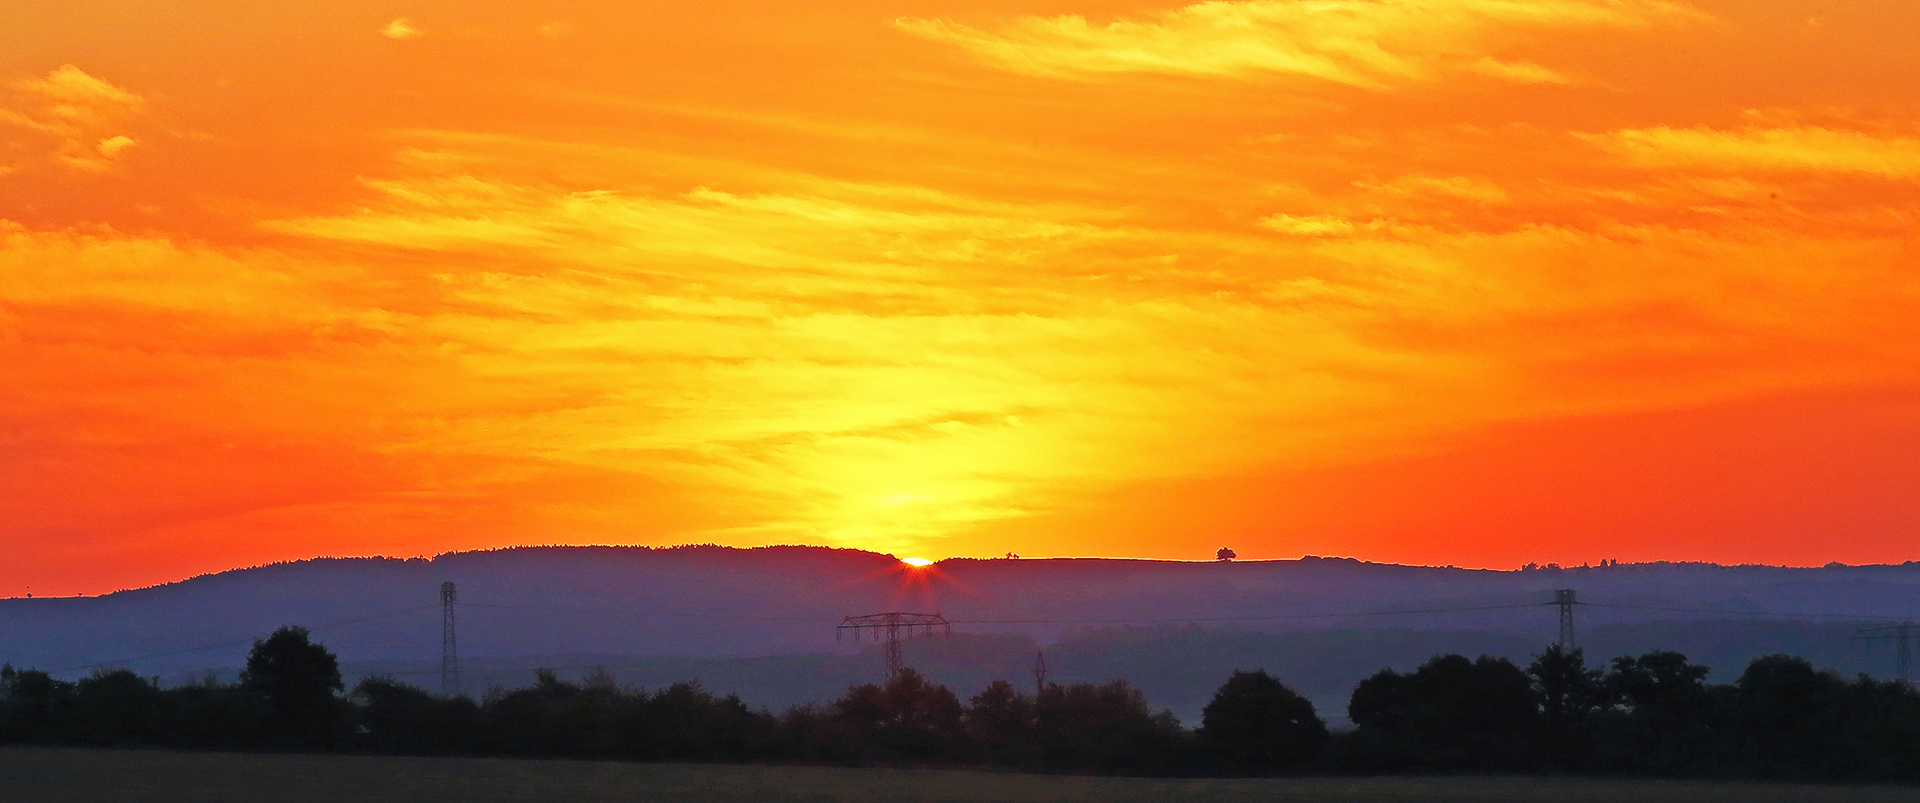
x,y
918,563
1406,280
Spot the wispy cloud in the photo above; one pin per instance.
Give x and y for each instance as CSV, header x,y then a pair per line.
x,y
1365,43
83,117
1811,149
401,29
832,350
883,364
815,278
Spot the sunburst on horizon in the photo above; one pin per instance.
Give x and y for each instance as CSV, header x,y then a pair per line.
x,y
1413,281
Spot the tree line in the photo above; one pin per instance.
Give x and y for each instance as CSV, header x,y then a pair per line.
x,y
1654,714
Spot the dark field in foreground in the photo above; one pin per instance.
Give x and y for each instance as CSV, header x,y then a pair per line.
x,y
45,774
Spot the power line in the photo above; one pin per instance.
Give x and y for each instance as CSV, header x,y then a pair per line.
x,y
1739,613
650,614
1067,621
486,670
1180,619
1237,618
449,655
1902,636
892,623
524,591
1565,599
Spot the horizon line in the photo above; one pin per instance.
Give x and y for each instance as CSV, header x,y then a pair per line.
x,y
1524,568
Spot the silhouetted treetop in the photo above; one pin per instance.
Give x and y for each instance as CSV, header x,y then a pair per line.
x,y
295,679
1256,721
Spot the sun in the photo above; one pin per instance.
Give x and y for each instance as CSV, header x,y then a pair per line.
x,y
916,562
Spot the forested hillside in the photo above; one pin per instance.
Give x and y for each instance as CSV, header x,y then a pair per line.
x,y
760,622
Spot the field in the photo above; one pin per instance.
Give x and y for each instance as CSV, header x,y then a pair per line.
x,y
127,776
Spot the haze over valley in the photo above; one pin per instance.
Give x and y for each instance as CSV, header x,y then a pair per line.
x,y
761,622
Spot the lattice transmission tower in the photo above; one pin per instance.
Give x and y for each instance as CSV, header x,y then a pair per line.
x,y
894,625
1902,635
1564,599
449,656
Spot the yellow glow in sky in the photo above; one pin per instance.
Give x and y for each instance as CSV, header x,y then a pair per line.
x,y
1477,282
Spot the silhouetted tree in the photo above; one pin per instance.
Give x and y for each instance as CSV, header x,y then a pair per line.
x,y
815,733
1382,740
1450,714
1568,694
1001,722
1224,555
213,714
1881,741
37,708
684,722
1668,720
1651,714
394,717
1791,717
1259,723
118,707
1103,727
296,679
1381,702
908,718
550,718
1567,691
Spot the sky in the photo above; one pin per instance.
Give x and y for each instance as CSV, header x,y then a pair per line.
x,y
1452,282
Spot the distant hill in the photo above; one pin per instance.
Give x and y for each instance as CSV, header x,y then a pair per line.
x,y
761,621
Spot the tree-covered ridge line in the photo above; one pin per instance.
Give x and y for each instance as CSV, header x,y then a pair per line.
x,y
1653,714
711,550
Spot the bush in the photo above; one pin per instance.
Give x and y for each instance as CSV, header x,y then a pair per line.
x,y
1258,723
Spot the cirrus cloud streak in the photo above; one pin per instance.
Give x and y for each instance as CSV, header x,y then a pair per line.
x,y
1374,44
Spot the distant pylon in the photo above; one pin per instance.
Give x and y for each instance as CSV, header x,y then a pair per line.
x,y
449,656
1903,664
893,624
1039,673
1902,635
1564,598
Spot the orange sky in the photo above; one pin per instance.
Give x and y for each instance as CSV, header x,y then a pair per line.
x,y
1477,282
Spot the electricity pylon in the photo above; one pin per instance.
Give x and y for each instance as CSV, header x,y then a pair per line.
x,y
1902,635
893,624
1564,598
449,656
